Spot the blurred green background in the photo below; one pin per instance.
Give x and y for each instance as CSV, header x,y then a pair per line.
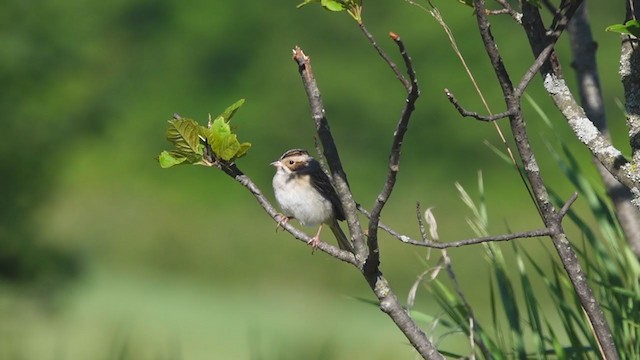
x,y
102,253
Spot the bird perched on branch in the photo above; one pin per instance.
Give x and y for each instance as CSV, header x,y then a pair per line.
x,y
304,192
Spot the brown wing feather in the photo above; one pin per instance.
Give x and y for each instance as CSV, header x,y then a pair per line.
x,y
321,182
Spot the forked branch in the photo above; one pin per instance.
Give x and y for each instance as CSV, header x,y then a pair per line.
x,y
388,301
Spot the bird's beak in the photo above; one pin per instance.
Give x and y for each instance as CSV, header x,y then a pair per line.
x,y
275,163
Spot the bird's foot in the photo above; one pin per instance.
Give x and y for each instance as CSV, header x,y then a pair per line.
x,y
282,221
314,242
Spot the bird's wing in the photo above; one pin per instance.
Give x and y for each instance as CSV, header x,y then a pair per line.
x,y
322,183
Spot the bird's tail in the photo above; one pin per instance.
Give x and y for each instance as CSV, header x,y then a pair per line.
x,y
343,242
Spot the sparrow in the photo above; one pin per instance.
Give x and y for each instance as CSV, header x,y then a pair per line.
x,y
304,192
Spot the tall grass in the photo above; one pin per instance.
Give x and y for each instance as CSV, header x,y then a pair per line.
x,y
521,327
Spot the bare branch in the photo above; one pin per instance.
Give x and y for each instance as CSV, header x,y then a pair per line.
x,y
389,303
473,114
423,230
478,240
583,48
507,9
394,157
385,57
567,205
234,172
534,27
330,151
630,75
601,148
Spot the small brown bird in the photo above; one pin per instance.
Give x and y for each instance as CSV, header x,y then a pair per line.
x,y
304,192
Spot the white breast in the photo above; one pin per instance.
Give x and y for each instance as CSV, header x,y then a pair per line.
x,y
299,199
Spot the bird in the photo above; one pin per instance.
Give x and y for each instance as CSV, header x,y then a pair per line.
x,y
304,192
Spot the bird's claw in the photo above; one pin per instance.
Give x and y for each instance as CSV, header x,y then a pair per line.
x,y
314,242
283,221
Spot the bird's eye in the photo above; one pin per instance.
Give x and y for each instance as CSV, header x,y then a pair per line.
x,y
291,162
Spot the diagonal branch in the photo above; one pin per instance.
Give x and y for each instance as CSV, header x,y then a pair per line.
x,y
630,76
234,172
330,151
406,83
533,25
473,114
559,24
507,9
584,129
388,301
394,158
583,48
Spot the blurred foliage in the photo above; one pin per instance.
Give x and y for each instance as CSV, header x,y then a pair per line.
x,y
87,86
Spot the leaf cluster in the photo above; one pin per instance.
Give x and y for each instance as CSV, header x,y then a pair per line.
x,y
203,145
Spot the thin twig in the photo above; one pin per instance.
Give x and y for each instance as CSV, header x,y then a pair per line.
x,y
478,240
234,172
509,10
474,114
385,57
394,157
438,16
560,22
563,211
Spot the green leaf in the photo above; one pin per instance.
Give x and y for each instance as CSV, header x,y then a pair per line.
x,y
217,135
183,133
242,151
228,147
231,110
224,143
167,160
220,129
630,27
333,5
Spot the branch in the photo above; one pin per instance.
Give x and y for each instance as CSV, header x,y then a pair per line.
x,y
533,25
389,303
385,57
235,173
473,114
583,49
630,74
471,241
394,158
330,151
566,206
507,9
601,148
559,24
478,240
